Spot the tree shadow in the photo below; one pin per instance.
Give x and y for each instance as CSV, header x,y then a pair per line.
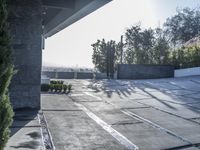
x,y
170,87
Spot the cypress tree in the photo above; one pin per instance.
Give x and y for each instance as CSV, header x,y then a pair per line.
x,y
6,72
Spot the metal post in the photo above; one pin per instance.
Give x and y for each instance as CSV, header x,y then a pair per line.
x,y
121,46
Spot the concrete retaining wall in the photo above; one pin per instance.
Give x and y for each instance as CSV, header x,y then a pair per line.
x,y
68,75
58,75
49,74
100,76
65,75
103,76
187,72
126,71
84,75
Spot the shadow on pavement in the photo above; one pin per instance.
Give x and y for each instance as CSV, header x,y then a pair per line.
x,y
25,130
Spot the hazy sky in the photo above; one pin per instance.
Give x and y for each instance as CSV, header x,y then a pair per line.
x,y
72,46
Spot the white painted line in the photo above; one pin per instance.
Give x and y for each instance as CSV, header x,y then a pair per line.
x,y
90,94
135,116
118,136
76,94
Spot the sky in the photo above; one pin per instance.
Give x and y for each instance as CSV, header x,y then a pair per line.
x,y
71,47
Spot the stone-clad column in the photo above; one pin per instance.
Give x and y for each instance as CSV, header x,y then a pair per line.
x,y
25,20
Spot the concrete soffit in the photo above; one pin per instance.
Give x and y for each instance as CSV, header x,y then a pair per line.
x,y
67,12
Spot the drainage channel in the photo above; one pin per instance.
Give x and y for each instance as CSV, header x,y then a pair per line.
x,y
46,135
118,136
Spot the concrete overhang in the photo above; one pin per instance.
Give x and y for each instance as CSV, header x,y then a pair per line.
x,y
58,14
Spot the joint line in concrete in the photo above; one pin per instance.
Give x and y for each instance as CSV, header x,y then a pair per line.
x,y
118,136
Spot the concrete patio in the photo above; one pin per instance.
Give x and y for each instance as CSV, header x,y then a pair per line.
x,y
124,114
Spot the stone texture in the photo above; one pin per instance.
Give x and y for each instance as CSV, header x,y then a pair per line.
x,y
26,29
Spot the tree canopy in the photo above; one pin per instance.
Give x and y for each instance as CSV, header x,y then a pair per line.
x,y
146,46
156,46
106,55
183,26
6,72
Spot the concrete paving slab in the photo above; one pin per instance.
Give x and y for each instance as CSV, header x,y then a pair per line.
x,y
25,139
163,86
25,131
115,117
195,96
85,98
146,137
196,120
99,106
177,109
183,128
108,102
143,86
138,96
29,123
187,84
127,104
75,130
172,98
195,105
180,92
115,97
56,101
25,118
191,148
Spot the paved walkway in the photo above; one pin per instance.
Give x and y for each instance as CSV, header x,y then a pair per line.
x,y
118,115
25,132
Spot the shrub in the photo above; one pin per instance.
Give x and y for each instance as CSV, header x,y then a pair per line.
x,y
60,82
59,87
64,88
53,82
6,73
56,87
69,87
45,87
56,82
51,87
185,57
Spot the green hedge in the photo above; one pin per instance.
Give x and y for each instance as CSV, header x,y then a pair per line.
x,y
56,87
185,57
6,73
